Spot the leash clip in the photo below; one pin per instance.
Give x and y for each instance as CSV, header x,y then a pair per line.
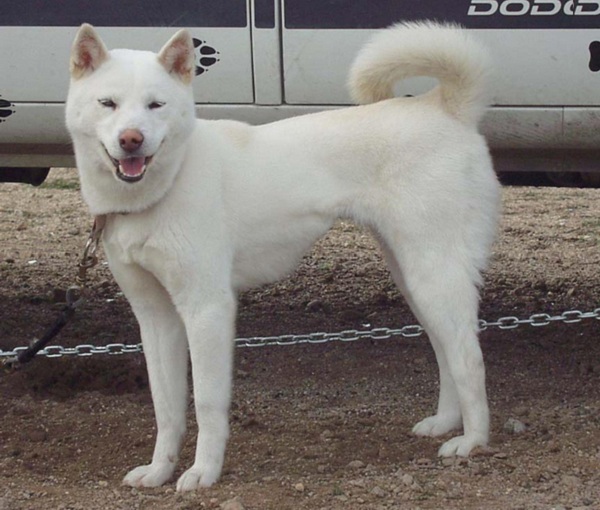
x,y
89,258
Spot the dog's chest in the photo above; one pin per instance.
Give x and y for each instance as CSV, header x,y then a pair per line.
x,y
125,242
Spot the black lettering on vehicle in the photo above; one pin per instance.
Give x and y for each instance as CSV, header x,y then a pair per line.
x,y
534,8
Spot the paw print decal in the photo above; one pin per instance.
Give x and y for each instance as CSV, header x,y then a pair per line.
x,y
208,56
595,56
6,109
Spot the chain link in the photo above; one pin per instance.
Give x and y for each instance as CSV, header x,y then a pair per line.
x,y
346,336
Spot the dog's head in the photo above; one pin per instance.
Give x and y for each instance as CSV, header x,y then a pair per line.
x,y
128,113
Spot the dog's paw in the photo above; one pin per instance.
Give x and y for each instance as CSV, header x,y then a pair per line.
x,y
437,425
197,477
461,446
152,475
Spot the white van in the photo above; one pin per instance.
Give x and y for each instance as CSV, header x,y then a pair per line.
x,y
261,60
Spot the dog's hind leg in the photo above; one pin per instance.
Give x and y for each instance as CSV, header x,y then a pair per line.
x,y
448,416
443,295
165,350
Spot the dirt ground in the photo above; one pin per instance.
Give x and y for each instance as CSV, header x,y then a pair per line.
x,y
313,426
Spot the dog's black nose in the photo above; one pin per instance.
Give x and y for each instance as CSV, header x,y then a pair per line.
x,y
131,140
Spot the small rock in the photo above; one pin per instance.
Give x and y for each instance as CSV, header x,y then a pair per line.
x,y
500,455
326,435
570,480
299,487
358,483
232,504
484,451
103,483
378,491
356,464
514,426
315,306
407,479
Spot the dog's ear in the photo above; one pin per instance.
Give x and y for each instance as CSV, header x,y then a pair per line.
x,y
177,56
88,52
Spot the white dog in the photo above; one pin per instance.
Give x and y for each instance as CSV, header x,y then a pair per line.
x,y
196,210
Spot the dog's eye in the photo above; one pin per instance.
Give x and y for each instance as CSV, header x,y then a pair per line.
x,y
155,105
108,103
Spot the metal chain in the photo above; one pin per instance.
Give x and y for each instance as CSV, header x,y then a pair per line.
x,y
349,335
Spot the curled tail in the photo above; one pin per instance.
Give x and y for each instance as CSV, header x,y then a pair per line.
x,y
445,52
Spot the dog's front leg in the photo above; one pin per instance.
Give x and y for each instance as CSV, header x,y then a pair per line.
x,y
210,329
165,349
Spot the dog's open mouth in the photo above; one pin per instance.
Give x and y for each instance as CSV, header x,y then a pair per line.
x,y
132,169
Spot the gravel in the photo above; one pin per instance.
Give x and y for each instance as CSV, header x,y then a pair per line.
x,y
313,426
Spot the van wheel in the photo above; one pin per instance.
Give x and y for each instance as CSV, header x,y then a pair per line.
x,y
566,179
34,176
591,179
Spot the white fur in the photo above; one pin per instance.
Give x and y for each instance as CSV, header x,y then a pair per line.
x,y
226,206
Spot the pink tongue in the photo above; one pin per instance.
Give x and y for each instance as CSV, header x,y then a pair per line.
x,y
132,166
